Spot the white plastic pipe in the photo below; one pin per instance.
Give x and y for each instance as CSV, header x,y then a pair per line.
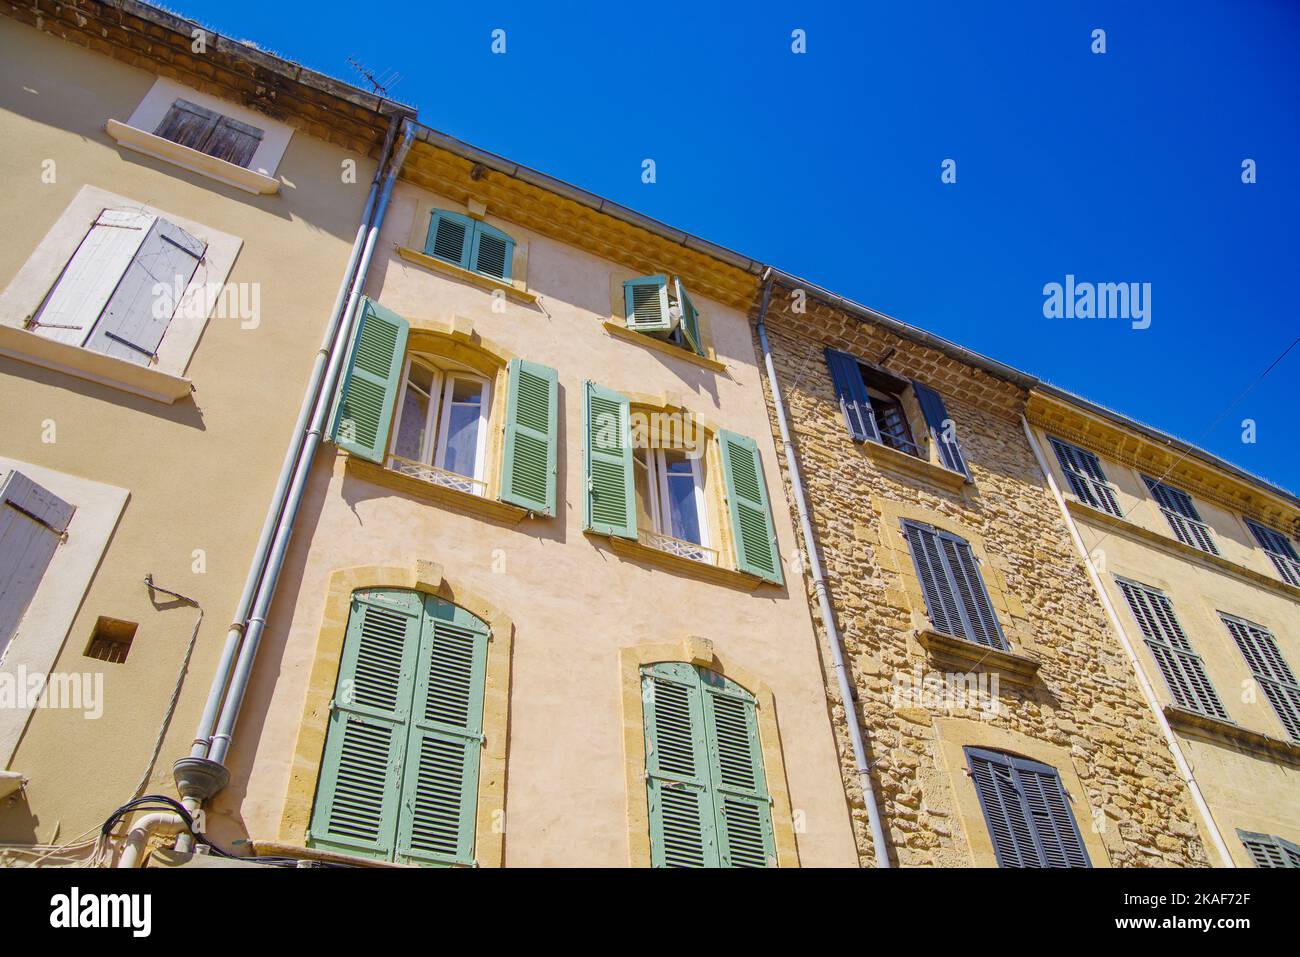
x,y
133,850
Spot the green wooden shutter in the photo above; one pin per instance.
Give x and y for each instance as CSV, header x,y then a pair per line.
x,y
367,392
450,237
360,782
690,319
751,515
440,790
677,768
610,502
741,805
646,301
532,417
1269,850
491,251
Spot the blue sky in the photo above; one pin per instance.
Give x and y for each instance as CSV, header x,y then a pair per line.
x,y
1119,167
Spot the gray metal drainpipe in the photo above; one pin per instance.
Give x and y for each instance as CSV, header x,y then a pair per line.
x,y
842,676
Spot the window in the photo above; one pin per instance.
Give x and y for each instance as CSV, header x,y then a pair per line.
x,y
1280,549
1182,516
707,791
1270,669
441,430
663,309
1087,480
399,776
874,403
1027,811
1267,850
210,132
670,501
955,597
33,523
118,293
469,244
1181,666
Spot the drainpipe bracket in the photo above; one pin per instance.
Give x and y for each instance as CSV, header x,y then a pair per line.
x,y
199,778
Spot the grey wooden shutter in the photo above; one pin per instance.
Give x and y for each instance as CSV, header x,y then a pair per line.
x,y
1181,666
32,523
138,312
210,132
1270,669
233,141
1027,811
1087,480
1268,850
953,586
941,428
1182,516
855,403
1279,549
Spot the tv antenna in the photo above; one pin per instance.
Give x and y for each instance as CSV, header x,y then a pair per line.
x,y
382,82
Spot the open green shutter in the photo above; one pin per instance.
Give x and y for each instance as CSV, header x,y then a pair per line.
x,y
690,319
741,804
646,301
677,768
751,516
368,390
528,465
610,502
440,790
360,783
450,237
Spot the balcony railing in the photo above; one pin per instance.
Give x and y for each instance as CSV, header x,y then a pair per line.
x,y
679,547
437,476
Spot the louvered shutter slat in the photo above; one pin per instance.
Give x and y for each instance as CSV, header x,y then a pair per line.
x,y
528,465
941,428
491,251
1027,811
1087,479
742,806
690,319
978,608
1179,664
1270,670
752,527
367,393
855,401
1279,549
610,502
645,301
677,769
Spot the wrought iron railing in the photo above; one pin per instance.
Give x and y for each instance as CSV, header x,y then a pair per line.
x,y
679,547
436,476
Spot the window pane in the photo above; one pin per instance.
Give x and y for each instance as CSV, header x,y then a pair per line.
x,y
461,442
641,476
682,510
415,415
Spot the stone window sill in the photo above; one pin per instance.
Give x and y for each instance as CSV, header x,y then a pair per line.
x,y
248,180
620,331
913,467
963,655
452,498
465,275
1218,730
147,381
649,555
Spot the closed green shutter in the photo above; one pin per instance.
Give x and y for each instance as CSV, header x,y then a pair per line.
x,y
741,805
690,319
677,768
610,500
529,462
363,406
1269,850
646,302
360,783
450,237
491,251
751,516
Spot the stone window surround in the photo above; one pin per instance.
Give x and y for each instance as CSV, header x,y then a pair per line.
x,y
413,252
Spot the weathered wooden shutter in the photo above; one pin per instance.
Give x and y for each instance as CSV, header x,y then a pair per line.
x,y
690,319
491,251
953,586
233,141
940,597
741,805
1279,549
1027,811
1258,646
942,429
751,515
450,237
1268,850
851,390
141,307
646,302
1084,473
610,500
1181,666
88,280
360,787
363,405
1181,513
678,781
529,462
436,822
188,124
33,521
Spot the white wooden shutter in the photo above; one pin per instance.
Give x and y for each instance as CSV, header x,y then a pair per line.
x,y
32,522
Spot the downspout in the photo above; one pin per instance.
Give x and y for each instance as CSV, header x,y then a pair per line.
x,y
823,592
1184,769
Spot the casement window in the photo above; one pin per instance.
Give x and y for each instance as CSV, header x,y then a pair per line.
x,y
33,523
1270,670
955,597
1182,516
470,244
660,307
1268,850
399,776
874,403
705,781
210,132
1087,480
668,499
1279,549
1027,811
428,417
121,288
1181,666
